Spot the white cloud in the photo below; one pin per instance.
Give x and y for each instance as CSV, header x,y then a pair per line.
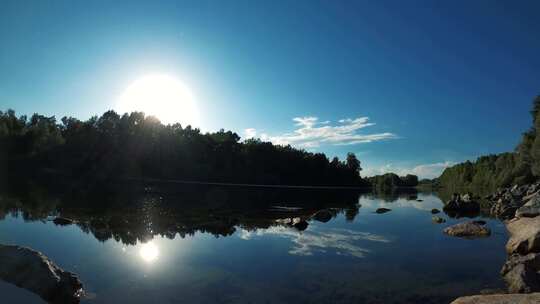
x,y
423,170
250,133
311,133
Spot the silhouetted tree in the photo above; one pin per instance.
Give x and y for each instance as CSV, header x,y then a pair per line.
x,y
133,145
353,163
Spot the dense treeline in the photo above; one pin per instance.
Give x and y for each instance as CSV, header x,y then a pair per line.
x,y
133,145
391,181
505,169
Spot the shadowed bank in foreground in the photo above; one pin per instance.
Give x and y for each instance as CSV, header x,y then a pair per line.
x,y
29,269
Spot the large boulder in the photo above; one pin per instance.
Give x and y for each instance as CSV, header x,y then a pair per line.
x,y
505,208
521,273
524,235
531,207
533,188
31,270
529,196
468,230
506,201
519,191
533,298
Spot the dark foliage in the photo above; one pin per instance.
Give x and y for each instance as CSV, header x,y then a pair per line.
x,y
135,146
389,181
505,169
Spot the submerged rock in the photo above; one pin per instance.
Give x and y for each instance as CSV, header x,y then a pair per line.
x,y
382,210
31,270
435,211
524,235
438,219
533,298
467,230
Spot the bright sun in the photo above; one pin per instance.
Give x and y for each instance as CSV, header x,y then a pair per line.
x,y
162,96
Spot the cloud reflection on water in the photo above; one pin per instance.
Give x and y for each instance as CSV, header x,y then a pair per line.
x,y
343,241
428,202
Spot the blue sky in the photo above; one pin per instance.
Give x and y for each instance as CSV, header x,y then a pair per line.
x,y
416,84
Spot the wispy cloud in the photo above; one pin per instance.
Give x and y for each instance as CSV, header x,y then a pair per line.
x,y
423,170
311,133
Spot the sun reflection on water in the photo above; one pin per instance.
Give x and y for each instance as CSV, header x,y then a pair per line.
x,y
149,252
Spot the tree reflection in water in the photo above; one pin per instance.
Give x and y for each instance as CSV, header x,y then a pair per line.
x,y
137,213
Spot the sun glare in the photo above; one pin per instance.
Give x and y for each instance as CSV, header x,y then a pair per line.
x,y
149,252
162,96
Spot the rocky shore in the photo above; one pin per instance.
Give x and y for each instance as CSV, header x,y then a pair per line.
x,y
520,201
519,208
533,298
31,270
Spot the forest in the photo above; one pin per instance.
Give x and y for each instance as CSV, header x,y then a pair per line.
x,y
131,146
492,171
390,181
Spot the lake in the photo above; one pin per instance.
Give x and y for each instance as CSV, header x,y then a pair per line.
x,y
198,244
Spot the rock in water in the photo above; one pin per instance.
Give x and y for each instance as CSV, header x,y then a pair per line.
x,y
31,270
301,226
435,211
466,198
323,216
382,210
463,203
533,298
438,219
524,235
62,221
467,230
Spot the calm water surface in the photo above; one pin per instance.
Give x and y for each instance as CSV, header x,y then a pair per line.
x,y
160,251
